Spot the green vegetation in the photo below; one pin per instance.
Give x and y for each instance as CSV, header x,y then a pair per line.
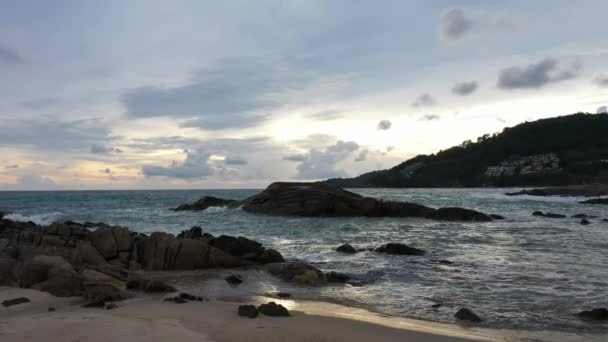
x,y
579,141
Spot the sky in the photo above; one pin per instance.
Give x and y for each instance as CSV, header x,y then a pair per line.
x,y
238,94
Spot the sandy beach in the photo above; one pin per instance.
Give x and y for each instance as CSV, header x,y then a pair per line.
x,y
149,319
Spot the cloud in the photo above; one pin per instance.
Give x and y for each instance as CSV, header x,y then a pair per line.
x,y
296,157
430,117
13,166
196,165
455,24
100,149
602,109
384,125
465,88
235,161
362,156
326,115
10,56
54,134
601,81
322,164
425,100
536,75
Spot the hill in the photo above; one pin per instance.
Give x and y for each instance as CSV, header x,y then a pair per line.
x,y
565,150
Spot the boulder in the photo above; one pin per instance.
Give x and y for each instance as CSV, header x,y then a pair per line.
x,y
176,300
239,246
596,201
15,301
549,215
249,311
467,315
273,309
458,214
497,217
346,248
37,270
110,241
98,294
188,296
268,256
336,277
234,279
204,203
595,314
585,216
192,233
63,282
297,272
399,249
8,271
585,222
85,253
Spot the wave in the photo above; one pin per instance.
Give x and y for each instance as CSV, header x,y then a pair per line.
x,y
40,219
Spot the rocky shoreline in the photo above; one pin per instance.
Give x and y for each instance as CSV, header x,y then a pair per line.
x,y
592,190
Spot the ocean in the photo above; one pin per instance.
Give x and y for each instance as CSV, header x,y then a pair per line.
x,y
525,272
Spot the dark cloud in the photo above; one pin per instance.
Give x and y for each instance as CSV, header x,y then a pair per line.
x,y
430,117
384,125
10,56
195,166
455,24
326,115
425,100
53,134
465,88
536,75
322,164
296,157
601,81
101,149
602,109
362,156
235,161
14,166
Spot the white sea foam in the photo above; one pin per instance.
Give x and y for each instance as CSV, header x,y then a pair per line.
x,y
215,209
41,219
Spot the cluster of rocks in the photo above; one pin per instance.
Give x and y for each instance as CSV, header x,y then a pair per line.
x,y
388,248
269,309
584,217
324,200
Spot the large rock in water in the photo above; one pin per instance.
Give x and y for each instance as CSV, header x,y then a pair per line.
x,y
321,199
458,214
204,203
596,201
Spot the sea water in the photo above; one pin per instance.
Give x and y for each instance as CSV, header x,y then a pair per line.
x,y
524,272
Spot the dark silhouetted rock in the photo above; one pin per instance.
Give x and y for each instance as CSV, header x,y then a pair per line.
x,y
176,300
273,309
189,297
51,309
8,271
268,256
234,279
446,262
249,311
585,222
192,233
436,306
584,216
596,201
98,294
297,272
549,215
284,295
239,246
148,285
15,301
346,248
399,249
467,315
336,277
497,217
595,314
110,306
110,241
458,214
204,203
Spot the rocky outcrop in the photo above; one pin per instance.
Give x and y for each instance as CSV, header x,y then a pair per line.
x,y
249,311
297,272
591,190
549,215
273,309
204,203
15,301
399,249
149,285
458,214
596,201
346,248
467,315
600,314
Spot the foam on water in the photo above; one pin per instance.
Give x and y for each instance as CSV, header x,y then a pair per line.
x,y
41,219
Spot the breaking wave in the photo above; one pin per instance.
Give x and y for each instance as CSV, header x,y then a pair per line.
x,y
40,219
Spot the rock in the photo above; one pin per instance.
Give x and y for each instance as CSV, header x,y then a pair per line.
x,y
63,283
436,306
583,216
283,295
204,203
585,222
273,309
85,253
336,277
8,271
98,294
269,256
346,248
234,280
321,199
297,272
549,215
399,249
446,262
249,311
110,306
190,297
497,217
192,233
239,246
51,309
589,190
458,214
596,201
595,314
467,315
605,220
51,274
176,300
110,241
15,301
149,286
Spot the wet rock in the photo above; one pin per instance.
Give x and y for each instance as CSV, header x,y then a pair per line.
x,y
269,256
204,203
467,315
149,285
97,295
336,277
346,248
458,214
51,309
436,306
176,300
15,301
446,262
192,233
297,272
596,201
273,309
584,216
234,279
399,249
249,311
600,314
239,246
497,217
190,297
549,215
585,222
110,306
